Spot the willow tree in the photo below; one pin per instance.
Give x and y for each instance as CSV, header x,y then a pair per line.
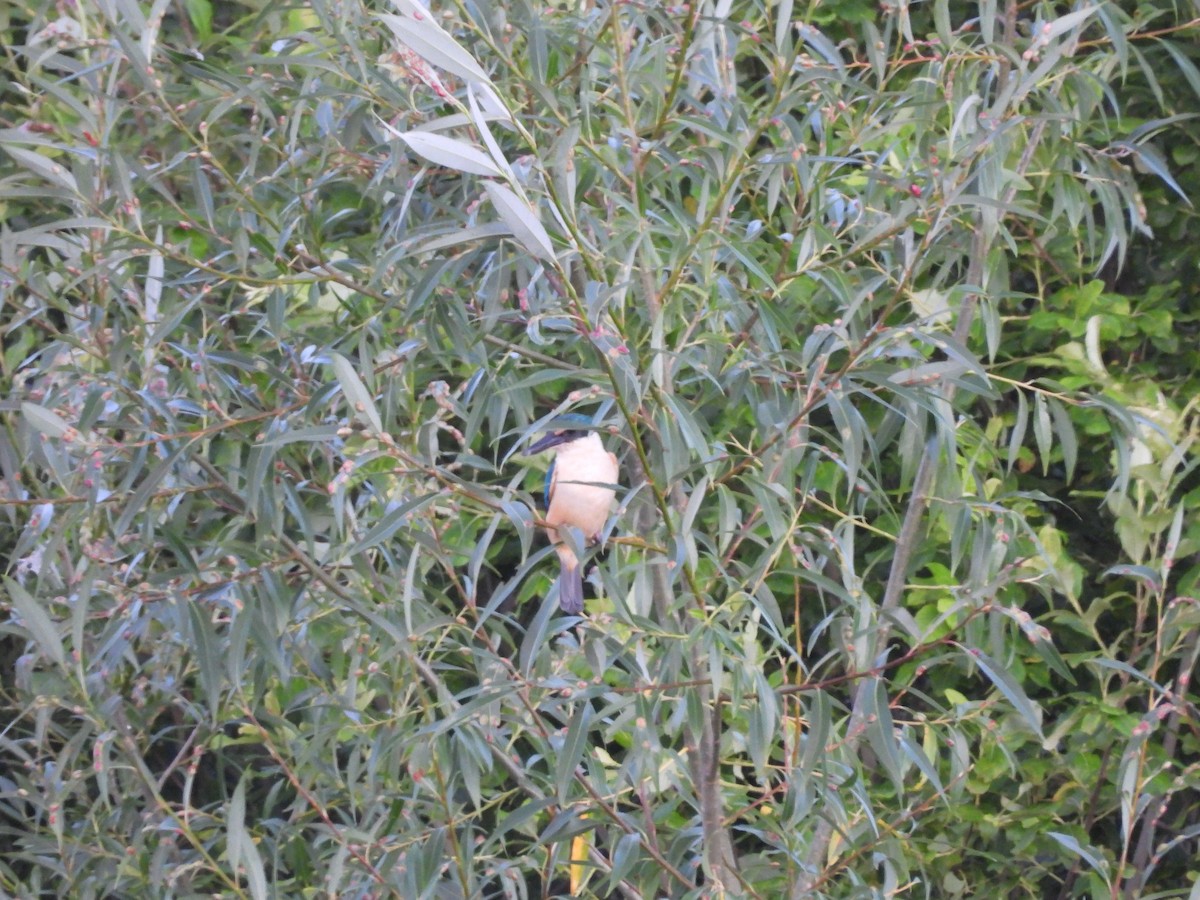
x,y
285,290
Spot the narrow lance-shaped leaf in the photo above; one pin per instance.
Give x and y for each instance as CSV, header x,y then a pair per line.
x,y
623,858
535,635
1124,667
572,750
1016,437
207,658
356,392
481,125
1063,24
461,236
1008,686
1145,573
1065,429
783,21
818,717
152,296
1148,158
1173,535
1041,430
695,502
1129,773
941,21
200,13
389,524
1087,854
1189,71
764,723
914,751
152,292
881,732
240,847
824,47
422,34
47,421
139,501
43,166
521,218
446,151
40,626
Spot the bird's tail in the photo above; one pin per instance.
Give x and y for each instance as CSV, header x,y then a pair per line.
x,y
570,582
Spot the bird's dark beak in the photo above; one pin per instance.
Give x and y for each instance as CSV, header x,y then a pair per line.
x,y
550,439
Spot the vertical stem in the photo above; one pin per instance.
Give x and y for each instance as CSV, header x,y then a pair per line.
x,y
907,542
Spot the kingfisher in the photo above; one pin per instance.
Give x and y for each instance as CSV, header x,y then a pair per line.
x,y
580,488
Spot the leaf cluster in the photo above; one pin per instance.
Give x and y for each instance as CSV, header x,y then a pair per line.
x,y
898,594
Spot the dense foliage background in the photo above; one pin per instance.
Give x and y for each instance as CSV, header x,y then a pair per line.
x,y
890,313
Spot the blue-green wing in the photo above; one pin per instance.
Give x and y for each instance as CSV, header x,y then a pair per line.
x,y
548,487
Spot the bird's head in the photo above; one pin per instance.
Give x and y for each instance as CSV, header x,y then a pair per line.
x,y
563,430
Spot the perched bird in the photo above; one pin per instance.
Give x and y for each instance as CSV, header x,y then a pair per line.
x,y
580,487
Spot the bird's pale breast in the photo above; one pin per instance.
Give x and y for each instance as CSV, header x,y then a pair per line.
x,y
579,496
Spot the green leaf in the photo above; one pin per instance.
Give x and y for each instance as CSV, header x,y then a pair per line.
x,y
418,30
914,752
518,215
1063,24
240,845
624,857
208,659
458,236
783,25
577,737
449,152
1143,573
39,625
1088,854
881,731
393,521
140,500
1004,682
361,402
1041,430
1150,160
1068,442
200,13
1016,438
47,421
480,121
43,166
824,47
